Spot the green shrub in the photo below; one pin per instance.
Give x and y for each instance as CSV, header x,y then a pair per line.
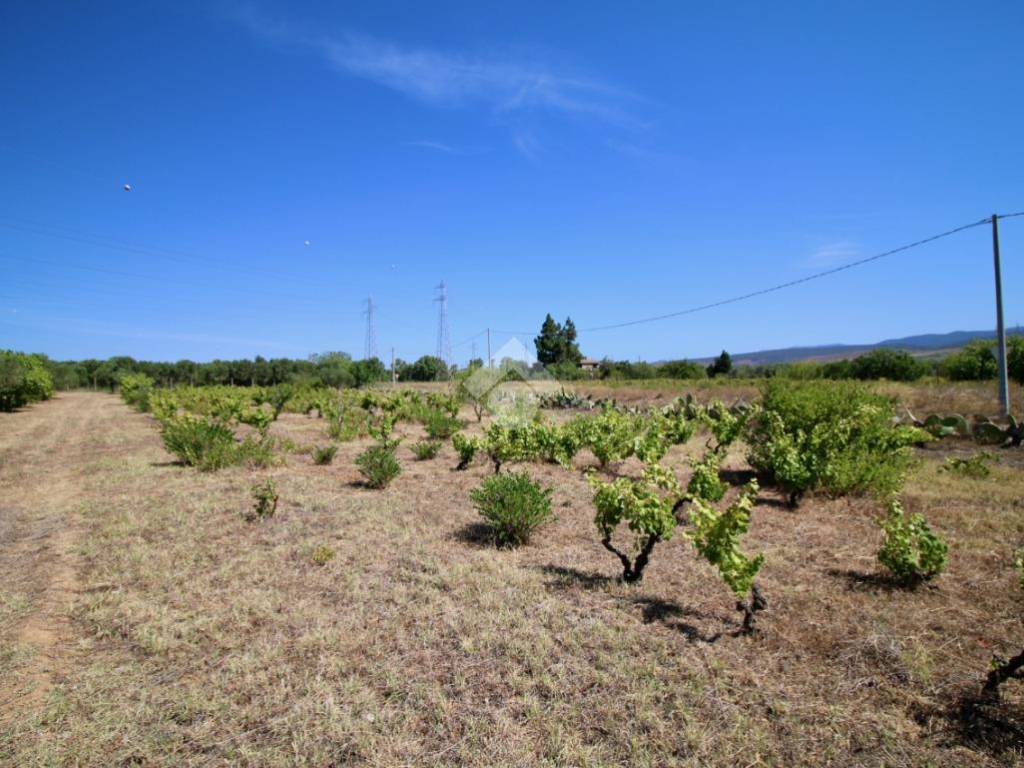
x,y
705,483
910,550
716,536
378,465
647,506
259,453
323,455
425,449
278,398
24,379
322,555
135,390
727,424
975,466
466,447
1015,358
976,361
440,425
513,440
514,505
610,435
200,443
265,497
257,418
837,437
891,364
349,424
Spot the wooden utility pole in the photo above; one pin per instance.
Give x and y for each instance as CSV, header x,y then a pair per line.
x,y
490,364
1004,388
394,376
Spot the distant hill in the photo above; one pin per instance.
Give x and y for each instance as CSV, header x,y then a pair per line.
x,y
928,344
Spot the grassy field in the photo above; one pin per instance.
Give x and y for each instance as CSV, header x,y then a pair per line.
x,y
144,623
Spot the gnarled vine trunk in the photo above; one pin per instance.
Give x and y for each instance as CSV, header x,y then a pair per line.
x,y
632,571
1002,673
756,602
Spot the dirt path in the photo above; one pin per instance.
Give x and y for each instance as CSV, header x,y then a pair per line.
x,y
44,456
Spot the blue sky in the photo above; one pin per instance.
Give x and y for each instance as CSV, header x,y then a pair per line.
x,y
598,160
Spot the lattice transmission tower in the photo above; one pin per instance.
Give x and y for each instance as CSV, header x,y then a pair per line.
x,y
444,339
370,348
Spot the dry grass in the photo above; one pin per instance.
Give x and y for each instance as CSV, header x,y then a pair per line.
x,y
924,397
194,638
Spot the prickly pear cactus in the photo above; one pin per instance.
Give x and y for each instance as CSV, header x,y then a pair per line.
x,y
958,424
987,433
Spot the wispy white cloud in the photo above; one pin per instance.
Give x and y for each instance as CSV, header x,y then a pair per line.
x,y
440,146
637,151
527,144
833,254
504,85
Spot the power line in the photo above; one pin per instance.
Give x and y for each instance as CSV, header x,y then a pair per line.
x,y
475,336
790,283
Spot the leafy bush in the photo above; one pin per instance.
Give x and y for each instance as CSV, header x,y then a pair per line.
x,y
705,483
466,447
349,424
265,497
616,434
258,453
378,465
609,435
135,390
975,466
910,550
256,417
200,443
23,380
716,536
891,364
425,449
278,398
558,444
440,425
976,361
478,387
427,368
322,555
514,505
512,440
440,401
727,424
834,436
647,506
1015,358
323,455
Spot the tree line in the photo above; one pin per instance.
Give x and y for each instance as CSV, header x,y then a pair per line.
x,y
558,354
332,369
